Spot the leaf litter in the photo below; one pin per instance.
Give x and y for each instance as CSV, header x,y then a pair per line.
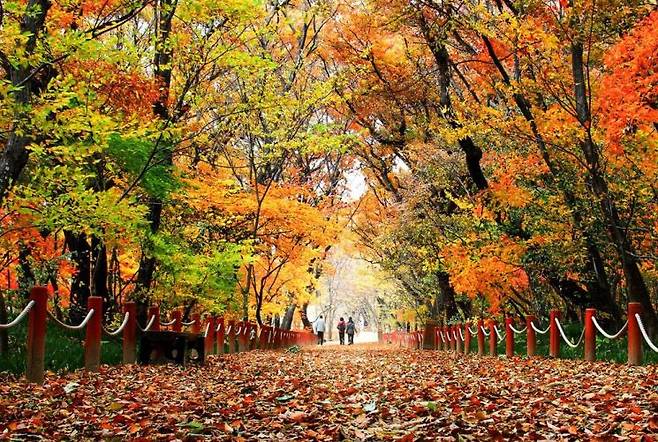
x,y
360,393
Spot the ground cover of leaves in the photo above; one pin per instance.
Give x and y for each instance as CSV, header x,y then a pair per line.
x,y
339,393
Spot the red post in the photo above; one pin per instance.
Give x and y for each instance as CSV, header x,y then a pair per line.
x,y
453,342
93,336
590,335
36,335
262,337
231,336
480,337
209,343
493,338
467,338
429,343
220,335
130,333
634,338
178,320
509,337
531,343
457,329
196,327
554,342
154,312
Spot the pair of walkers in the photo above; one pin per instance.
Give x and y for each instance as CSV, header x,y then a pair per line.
x,y
346,327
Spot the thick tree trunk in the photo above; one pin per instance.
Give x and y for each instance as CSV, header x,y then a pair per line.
x,y
80,250
635,285
286,322
4,335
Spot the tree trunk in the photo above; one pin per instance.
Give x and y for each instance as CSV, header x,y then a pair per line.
x,y
165,10
13,158
635,285
4,335
80,251
286,322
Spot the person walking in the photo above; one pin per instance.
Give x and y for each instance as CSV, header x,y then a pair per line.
x,y
341,331
350,328
319,329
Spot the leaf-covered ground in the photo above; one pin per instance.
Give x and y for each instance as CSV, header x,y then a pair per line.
x,y
358,393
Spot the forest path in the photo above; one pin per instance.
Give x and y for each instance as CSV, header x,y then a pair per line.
x,y
362,392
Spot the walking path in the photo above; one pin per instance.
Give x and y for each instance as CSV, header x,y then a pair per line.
x,y
362,392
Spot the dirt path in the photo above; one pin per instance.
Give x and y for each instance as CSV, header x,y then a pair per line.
x,y
337,393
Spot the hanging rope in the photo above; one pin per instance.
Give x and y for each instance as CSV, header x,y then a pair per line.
x,y
20,316
148,326
442,338
80,326
486,333
518,331
564,336
218,328
167,324
205,333
228,330
541,332
500,337
454,335
187,324
121,327
461,334
609,336
644,333
473,332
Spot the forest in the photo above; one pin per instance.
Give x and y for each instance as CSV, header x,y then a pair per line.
x,y
486,156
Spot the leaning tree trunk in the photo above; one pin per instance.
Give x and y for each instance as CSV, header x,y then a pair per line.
x,y
286,322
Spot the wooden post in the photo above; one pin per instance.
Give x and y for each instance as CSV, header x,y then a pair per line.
x,y
493,338
196,327
458,328
467,338
531,343
209,343
130,333
36,335
93,336
554,342
154,312
480,337
509,337
220,335
430,333
178,319
634,338
230,336
590,335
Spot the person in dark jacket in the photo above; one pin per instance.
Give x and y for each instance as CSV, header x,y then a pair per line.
x,y
350,328
341,331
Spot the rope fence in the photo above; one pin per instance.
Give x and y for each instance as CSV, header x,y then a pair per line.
x,y
218,337
458,337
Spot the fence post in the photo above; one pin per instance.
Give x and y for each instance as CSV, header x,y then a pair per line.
x,y
209,343
178,319
634,338
467,338
220,335
531,343
493,338
36,335
554,342
154,312
480,337
590,335
458,328
93,334
130,334
230,336
196,327
509,337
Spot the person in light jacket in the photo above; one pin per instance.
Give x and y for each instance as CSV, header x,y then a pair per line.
x,y
319,329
